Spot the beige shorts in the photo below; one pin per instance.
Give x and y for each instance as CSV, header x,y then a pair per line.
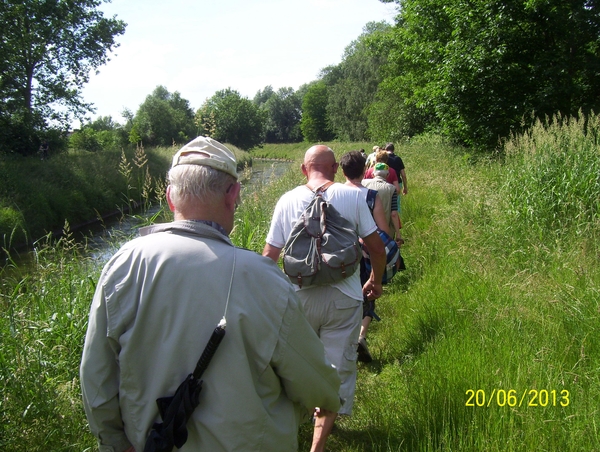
x,y
336,319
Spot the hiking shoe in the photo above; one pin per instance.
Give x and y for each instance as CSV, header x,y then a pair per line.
x,y
363,351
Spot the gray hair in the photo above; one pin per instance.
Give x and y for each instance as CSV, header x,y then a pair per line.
x,y
381,173
191,183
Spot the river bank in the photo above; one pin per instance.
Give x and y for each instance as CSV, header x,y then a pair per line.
x,y
78,189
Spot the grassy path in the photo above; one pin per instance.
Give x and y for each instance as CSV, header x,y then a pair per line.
x,y
489,341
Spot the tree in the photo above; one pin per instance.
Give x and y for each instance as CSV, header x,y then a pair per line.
x,y
228,117
47,51
354,85
481,67
283,113
314,123
164,118
101,134
262,96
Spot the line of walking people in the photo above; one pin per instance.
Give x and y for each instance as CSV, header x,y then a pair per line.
x,y
289,353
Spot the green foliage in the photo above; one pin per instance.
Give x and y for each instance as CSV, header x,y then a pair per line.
x,y
42,329
163,119
12,227
553,179
352,86
479,68
77,186
80,187
230,118
86,139
47,52
474,310
314,124
283,112
104,123
100,134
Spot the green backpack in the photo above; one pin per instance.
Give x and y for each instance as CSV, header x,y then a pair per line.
x,y
323,247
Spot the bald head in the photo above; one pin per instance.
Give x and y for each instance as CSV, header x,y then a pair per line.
x,y
319,164
319,155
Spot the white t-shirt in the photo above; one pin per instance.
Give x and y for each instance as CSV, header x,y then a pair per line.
x,y
349,202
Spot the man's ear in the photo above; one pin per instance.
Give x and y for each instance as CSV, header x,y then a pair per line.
x,y
171,205
304,170
232,196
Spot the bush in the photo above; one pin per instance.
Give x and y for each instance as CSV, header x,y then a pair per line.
x,y
86,140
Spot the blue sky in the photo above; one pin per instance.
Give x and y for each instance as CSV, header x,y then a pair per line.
x,y
202,46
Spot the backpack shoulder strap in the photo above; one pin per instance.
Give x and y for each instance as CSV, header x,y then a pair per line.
x,y
371,195
321,188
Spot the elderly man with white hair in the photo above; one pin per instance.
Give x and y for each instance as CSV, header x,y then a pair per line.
x,y
156,305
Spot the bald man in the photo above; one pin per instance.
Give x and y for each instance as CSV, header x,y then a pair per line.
x,y
334,311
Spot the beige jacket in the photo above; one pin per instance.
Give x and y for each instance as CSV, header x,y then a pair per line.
x,y
156,304
386,192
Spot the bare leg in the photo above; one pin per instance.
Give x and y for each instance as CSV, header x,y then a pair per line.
x,y
323,425
364,328
364,356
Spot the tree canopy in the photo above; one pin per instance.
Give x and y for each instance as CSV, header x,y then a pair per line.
x,y
230,118
283,111
314,124
475,70
353,85
47,51
163,118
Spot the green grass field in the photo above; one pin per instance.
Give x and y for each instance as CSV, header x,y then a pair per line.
x,y
488,341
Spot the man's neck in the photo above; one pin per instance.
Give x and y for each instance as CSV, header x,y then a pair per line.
x,y
317,181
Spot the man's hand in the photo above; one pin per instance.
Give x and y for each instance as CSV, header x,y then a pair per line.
x,y
371,290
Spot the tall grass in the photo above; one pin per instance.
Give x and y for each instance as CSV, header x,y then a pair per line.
x,y
44,319
493,301
554,172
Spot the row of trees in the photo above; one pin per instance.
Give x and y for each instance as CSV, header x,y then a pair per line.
x,y
481,70
334,106
165,118
475,71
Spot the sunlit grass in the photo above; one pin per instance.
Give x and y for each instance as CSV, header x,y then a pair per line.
x,y
493,300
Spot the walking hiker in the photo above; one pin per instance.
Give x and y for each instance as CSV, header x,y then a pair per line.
x,y
388,195
334,311
382,157
156,305
353,167
395,162
389,199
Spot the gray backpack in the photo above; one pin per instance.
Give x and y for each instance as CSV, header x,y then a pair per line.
x,y
323,247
